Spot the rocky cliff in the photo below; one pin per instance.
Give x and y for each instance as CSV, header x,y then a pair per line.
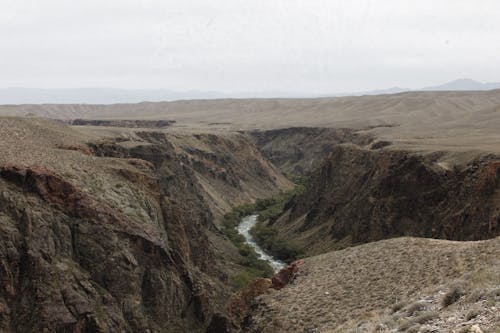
x,y
300,150
123,123
360,195
119,234
117,229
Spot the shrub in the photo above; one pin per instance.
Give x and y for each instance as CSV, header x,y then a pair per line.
x,y
452,296
416,307
268,237
244,278
398,306
414,325
425,317
476,296
473,314
271,208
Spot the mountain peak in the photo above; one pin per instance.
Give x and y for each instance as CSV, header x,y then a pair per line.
x,y
464,84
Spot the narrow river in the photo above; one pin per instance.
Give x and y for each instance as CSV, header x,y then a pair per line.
x,y
244,229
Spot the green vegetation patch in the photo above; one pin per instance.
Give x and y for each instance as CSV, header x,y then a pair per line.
x,y
271,208
253,266
267,237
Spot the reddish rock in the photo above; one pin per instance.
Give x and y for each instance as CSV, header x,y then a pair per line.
x,y
488,178
287,274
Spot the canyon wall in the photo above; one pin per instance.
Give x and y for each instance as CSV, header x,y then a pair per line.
x,y
118,229
119,235
298,151
360,195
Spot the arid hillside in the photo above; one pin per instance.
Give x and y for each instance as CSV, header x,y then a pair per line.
x,y
416,120
397,285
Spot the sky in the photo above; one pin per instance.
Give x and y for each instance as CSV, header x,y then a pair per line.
x,y
308,46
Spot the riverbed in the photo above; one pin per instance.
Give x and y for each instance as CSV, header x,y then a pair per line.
x,y
244,229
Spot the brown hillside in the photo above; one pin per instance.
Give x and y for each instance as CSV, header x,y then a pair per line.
x,y
389,285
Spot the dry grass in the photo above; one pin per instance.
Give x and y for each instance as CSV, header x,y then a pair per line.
x,y
383,286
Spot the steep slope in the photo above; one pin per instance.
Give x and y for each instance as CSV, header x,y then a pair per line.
x,y
300,150
360,195
403,285
118,235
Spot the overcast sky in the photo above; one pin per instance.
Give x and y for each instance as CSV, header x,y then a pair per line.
x,y
311,46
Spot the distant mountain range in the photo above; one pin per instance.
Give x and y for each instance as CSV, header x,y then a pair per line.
x,y
114,96
463,85
456,85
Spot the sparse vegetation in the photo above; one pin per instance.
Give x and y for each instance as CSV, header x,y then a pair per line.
x,y
398,306
452,295
271,208
425,317
268,236
472,314
254,267
267,208
415,307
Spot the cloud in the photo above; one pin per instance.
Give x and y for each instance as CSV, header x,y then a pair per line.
x,y
235,45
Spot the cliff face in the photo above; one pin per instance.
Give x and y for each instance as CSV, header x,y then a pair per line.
x,y
118,237
123,123
301,150
360,195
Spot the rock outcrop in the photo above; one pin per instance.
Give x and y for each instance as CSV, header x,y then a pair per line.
x,y
361,195
287,274
123,123
301,150
242,304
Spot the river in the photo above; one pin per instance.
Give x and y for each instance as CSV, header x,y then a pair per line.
x,y
244,229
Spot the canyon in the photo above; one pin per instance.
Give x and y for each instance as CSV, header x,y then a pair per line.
x,y
114,222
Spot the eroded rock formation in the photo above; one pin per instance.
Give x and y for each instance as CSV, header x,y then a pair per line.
x,y
360,195
130,249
